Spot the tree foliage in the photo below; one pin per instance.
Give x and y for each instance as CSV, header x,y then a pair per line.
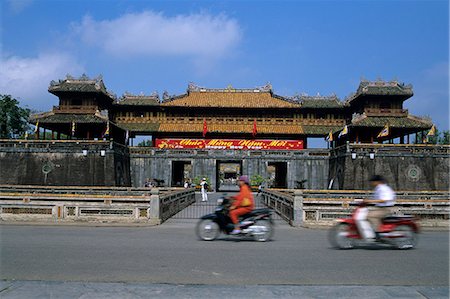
x,y
145,143
13,118
440,137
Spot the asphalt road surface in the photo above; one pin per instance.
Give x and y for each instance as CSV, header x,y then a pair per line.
x,y
172,254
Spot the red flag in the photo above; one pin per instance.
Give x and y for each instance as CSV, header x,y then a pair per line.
x,y
205,127
254,128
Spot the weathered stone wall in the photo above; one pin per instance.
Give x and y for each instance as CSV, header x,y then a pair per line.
x,y
64,163
405,167
310,165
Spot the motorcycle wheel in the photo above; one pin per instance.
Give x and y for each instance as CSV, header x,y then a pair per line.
x,y
409,239
207,230
262,230
338,236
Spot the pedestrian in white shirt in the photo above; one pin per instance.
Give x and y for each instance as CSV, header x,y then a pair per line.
x,y
204,186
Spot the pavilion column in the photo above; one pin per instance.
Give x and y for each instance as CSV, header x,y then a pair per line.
x,y
37,134
58,135
407,139
53,134
45,133
402,140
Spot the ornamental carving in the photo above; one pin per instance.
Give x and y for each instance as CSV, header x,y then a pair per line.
x,y
266,88
413,173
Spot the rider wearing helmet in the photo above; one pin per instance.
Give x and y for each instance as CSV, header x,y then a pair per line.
x,y
243,203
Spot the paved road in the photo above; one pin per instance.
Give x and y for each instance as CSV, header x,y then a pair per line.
x,y
295,261
172,254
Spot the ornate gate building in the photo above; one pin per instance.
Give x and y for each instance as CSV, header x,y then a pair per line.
x,y
223,133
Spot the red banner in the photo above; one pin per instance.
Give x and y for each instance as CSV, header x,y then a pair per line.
x,y
234,144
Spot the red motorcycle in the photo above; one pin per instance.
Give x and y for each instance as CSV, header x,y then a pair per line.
x,y
399,231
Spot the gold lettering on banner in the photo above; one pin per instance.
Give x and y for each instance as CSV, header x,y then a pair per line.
x,y
217,142
250,143
191,142
278,143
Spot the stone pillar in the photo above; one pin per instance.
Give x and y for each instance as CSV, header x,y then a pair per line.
x,y
154,216
298,209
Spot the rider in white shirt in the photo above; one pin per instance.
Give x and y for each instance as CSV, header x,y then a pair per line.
x,y
383,200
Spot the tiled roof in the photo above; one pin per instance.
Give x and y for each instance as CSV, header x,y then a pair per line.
x,y
394,122
231,99
138,100
320,102
67,118
320,130
82,84
382,88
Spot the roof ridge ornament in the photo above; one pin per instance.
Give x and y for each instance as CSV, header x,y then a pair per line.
x,y
193,87
165,95
265,88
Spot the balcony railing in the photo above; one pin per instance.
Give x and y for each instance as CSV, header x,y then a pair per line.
x,y
75,109
384,112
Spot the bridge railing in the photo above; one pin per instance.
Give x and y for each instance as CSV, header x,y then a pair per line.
x,y
91,204
322,207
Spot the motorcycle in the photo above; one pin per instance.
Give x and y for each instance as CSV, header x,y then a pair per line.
x,y
399,231
257,224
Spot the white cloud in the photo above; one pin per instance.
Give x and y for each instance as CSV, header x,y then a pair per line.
x,y
19,5
27,79
149,33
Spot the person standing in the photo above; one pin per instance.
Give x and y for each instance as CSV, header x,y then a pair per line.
x,y
204,186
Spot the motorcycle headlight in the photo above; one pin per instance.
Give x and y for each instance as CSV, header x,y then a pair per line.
x,y
220,201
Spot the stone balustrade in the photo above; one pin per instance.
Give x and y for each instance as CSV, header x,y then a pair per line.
x,y
92,204
322,207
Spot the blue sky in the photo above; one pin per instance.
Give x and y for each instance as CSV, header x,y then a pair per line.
x,y
308,47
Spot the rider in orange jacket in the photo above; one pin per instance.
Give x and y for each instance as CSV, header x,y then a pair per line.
x,y
242,204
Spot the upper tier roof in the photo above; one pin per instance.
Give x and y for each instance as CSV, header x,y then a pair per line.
x,y
230,97
381,88
84,84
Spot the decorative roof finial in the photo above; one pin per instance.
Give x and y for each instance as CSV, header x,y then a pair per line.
x,y
193,87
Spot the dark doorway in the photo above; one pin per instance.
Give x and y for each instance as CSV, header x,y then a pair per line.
x,y
277,172
181,171
227,174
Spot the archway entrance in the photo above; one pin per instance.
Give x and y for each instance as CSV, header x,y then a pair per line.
x,y
181,171
227,174
277,172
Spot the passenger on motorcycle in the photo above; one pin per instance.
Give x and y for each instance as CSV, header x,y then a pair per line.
x,y
243,203
369,220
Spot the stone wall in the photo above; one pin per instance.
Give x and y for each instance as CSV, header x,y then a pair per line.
x,y
64,163
104,163
405,167
309,165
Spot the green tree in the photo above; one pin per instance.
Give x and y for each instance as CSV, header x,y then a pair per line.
x,y
445,138
438,138
145,143
13,118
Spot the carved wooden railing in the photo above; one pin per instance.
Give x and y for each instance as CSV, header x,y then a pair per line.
x,y
81,109
385,112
